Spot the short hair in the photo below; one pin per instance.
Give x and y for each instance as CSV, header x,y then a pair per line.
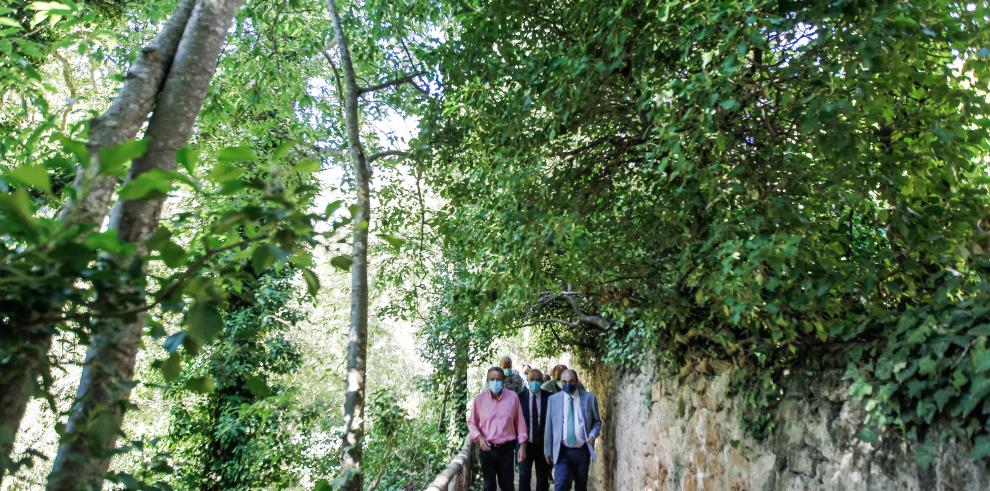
x,y
570,370
536,371
494,369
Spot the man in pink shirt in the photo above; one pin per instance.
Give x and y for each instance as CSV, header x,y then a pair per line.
x,y
496,423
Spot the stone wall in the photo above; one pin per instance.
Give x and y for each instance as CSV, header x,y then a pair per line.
x,y
683,433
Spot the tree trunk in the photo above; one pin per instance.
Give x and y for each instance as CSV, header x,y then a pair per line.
x,y
357,344
26,360
461,362
104,388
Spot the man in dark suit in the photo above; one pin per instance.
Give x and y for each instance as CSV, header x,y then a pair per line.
x,y
534,408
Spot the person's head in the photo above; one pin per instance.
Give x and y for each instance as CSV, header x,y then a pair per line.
x,y
495,379
535,378
557,370
569,381
526,369
547,377
506,364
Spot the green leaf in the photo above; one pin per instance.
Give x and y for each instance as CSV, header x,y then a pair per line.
x,y
186,156
730,105
924,454
47,6
173,342
342,262
393,240
333,206
282,149
981,359
201,385
173,255
103,425
35,176
868,434
171,366
236,154
161,237
706,58
153,184
262,258
225,172
312,282
17,207
257,386
7,21
112,159
981,448
308,165
203,322
109,242
76,148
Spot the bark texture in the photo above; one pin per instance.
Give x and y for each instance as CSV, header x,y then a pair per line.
x,y
461,362
357,342
104,388
27,358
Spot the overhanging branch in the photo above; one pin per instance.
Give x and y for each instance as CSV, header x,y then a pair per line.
x,y
391,83
386,153
583,317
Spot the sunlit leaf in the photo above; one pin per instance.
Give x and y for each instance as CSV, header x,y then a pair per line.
x,y
342,262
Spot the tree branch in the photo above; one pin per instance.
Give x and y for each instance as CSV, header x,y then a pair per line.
x,y
391,83
338,79
582,316
387,153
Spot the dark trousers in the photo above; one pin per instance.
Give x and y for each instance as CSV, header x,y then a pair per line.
x,y
534,458
572,467
496,465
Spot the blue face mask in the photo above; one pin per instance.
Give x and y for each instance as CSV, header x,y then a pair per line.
x,y
570,388
495,386
534,386
507,372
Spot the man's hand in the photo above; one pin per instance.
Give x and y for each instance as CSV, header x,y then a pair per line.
x,y
591,440
484,445
549,460
522,453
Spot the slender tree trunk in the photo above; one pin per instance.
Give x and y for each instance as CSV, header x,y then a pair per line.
x,y
442,424
461,361
27,358
104,389
357,343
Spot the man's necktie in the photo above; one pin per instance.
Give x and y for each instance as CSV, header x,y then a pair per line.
x,y
571,437
533,417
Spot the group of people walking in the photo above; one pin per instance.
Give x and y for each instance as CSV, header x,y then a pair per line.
x,y
546,424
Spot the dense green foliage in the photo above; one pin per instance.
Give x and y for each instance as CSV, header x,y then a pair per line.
x,y
239,433
763,182
771,184
237,245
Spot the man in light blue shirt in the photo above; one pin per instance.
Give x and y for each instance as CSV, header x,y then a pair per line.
x,y
573,425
